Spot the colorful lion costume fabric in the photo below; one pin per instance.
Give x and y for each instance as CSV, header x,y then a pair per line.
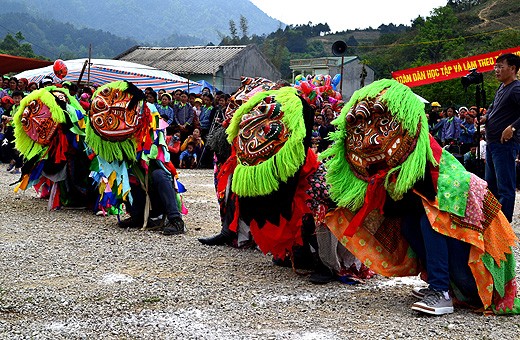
x,y
382,153
270,159
125,134
49,133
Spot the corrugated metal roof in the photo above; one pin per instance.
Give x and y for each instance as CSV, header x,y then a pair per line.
x,y
183,60
324,62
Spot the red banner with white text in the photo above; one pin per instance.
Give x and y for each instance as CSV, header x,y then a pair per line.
x,y
450,69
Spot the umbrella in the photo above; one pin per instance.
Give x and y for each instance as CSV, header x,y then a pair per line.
x,y
104,71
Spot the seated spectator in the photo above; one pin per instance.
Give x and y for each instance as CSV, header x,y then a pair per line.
x,y
188,158
173,141
197,142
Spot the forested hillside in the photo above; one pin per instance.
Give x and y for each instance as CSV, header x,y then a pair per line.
x,y
150,21
52,39
460,29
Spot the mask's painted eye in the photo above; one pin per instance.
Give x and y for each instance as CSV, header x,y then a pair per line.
x,y
358,130
384,121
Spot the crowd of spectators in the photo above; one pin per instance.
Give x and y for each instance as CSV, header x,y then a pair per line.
x,y
457,130
189,117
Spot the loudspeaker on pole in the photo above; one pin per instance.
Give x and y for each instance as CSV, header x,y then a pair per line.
x,y
339,48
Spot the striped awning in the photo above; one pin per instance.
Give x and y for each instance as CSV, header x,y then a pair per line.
x,y
102,71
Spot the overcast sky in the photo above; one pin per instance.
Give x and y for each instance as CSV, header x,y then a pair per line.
x,y
347,14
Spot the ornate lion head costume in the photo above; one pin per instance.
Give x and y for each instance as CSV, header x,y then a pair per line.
x,y
39,117
119,119
381,131
270,136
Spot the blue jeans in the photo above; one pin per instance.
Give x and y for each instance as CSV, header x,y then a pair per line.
x,y
445,258
163,197
501,174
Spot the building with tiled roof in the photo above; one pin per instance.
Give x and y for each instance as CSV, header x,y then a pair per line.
x,y
221,66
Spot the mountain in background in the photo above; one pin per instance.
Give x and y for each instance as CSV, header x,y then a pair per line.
x,y
172,22
52,39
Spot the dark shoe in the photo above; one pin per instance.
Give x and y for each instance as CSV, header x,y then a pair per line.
x,y
155,223
131,222
322,274
174,227
286,262
216,240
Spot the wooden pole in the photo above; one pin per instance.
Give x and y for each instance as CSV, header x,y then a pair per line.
x,y
82,72
89,63
341,73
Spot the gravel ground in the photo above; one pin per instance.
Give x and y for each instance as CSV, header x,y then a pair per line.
x,y
70,274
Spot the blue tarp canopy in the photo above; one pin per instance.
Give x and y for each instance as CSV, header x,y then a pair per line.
x,y
203,84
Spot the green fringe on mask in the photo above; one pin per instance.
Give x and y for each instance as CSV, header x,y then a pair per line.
x,y
264,178
120,84
72,100
345,188
110,150
23,143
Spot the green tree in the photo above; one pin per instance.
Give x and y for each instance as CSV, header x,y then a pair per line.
x,y
14,45
233,32
244,27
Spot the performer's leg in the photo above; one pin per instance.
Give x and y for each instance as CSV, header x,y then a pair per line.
x,y
437,300
227,214
163,188
436,251
136,208
411,231
460,273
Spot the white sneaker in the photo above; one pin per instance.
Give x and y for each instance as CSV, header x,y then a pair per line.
x,y
434,303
